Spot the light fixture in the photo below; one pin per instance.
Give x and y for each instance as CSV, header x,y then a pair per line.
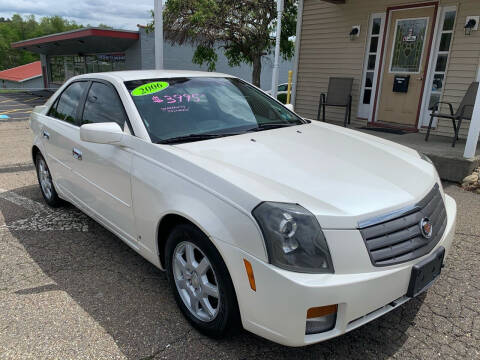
x,y
471,24
355,33
321,319
250,275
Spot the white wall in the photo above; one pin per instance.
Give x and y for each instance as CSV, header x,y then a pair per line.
x,y
36,83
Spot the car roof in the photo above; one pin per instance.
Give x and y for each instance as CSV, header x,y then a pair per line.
x,y
151,74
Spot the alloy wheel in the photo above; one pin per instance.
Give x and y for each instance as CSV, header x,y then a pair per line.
x,y
196,281
45,178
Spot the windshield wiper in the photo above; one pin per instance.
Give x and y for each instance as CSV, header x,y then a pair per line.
x,y
268,126
207,136
192,137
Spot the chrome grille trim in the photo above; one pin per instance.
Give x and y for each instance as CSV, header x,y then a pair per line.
x,y
382,218
396,237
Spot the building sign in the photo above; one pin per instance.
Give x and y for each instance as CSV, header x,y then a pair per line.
x,y
111,57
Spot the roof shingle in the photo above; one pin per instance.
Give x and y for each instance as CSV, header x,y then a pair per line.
x,y
22,72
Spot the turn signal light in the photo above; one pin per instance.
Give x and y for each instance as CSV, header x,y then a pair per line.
x,y
251,277
317,312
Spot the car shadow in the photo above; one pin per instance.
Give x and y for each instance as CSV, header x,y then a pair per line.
x,y
130,298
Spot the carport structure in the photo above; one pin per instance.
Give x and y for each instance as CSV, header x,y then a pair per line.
x,y
75,52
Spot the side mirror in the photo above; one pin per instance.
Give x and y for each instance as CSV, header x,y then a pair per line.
x,y
289,107
101,133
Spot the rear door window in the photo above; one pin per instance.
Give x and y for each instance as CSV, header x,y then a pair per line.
x,y
66,107
103,105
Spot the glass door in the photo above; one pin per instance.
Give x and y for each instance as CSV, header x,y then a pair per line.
x,y
371,65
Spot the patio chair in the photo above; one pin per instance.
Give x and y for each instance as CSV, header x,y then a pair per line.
x,y
339,94
464,111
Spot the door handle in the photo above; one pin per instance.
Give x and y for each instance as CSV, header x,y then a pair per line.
x,y
46,135
77,154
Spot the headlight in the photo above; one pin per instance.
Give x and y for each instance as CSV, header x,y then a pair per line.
x,y
293,238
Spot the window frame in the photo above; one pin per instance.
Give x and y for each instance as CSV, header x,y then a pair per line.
x,y
425,41
439,31
81,108
81,103
112,87
364,111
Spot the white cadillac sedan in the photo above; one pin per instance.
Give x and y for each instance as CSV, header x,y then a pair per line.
x,y
299,230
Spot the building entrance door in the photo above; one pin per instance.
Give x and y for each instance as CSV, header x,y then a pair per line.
x,y
405,65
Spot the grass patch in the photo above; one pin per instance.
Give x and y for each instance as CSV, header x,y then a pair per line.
x,y
11,91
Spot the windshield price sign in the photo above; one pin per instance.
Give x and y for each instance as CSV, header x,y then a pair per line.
x,y
149,88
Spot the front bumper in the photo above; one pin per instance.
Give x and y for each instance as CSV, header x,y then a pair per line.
x,y
277,309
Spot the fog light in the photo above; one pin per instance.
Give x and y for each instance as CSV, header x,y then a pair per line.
x,y
321,319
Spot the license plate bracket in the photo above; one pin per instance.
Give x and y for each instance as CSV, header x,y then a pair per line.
x,y
425,272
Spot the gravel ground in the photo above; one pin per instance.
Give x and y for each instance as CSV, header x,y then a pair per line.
x,y
71,289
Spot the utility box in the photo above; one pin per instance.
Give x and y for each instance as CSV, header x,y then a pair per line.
x,y
400,83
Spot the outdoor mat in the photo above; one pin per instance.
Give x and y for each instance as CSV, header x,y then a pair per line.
x,y
385,130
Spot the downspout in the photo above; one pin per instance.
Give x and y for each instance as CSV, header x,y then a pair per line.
x,y
474,130
298,34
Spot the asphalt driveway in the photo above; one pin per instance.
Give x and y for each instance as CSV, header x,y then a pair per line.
x,y
17,106
71,289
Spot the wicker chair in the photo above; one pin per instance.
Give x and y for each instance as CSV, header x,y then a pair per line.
x,y
340,95
464,111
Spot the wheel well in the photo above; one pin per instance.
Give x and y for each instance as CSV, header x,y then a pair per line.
x,y
35,151
166,225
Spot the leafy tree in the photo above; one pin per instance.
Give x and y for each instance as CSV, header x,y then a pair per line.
x,y
243,29
103,26
19,28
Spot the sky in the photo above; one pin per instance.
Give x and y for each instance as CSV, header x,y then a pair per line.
x,y
120,14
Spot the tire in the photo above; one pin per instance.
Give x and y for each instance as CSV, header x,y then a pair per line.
x,y
225,317
46,183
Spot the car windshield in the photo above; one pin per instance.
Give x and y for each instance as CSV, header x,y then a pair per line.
x,y
176,110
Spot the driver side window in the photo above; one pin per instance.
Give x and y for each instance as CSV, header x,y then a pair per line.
x,y
103,105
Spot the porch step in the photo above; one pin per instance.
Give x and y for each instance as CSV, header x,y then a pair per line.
x,y
453,168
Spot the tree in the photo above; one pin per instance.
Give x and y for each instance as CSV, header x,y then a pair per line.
x,y
17,28
243,29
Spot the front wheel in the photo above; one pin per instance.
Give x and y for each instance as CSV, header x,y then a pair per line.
x,y
46,183
200,281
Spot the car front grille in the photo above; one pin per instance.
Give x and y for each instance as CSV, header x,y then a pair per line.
x,y
397,237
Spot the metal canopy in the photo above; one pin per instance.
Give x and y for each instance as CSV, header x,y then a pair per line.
x,y
82,41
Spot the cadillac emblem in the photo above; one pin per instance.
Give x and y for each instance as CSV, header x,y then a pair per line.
x,y
426,228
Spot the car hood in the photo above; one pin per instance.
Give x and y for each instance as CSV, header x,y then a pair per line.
x,y
341,175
